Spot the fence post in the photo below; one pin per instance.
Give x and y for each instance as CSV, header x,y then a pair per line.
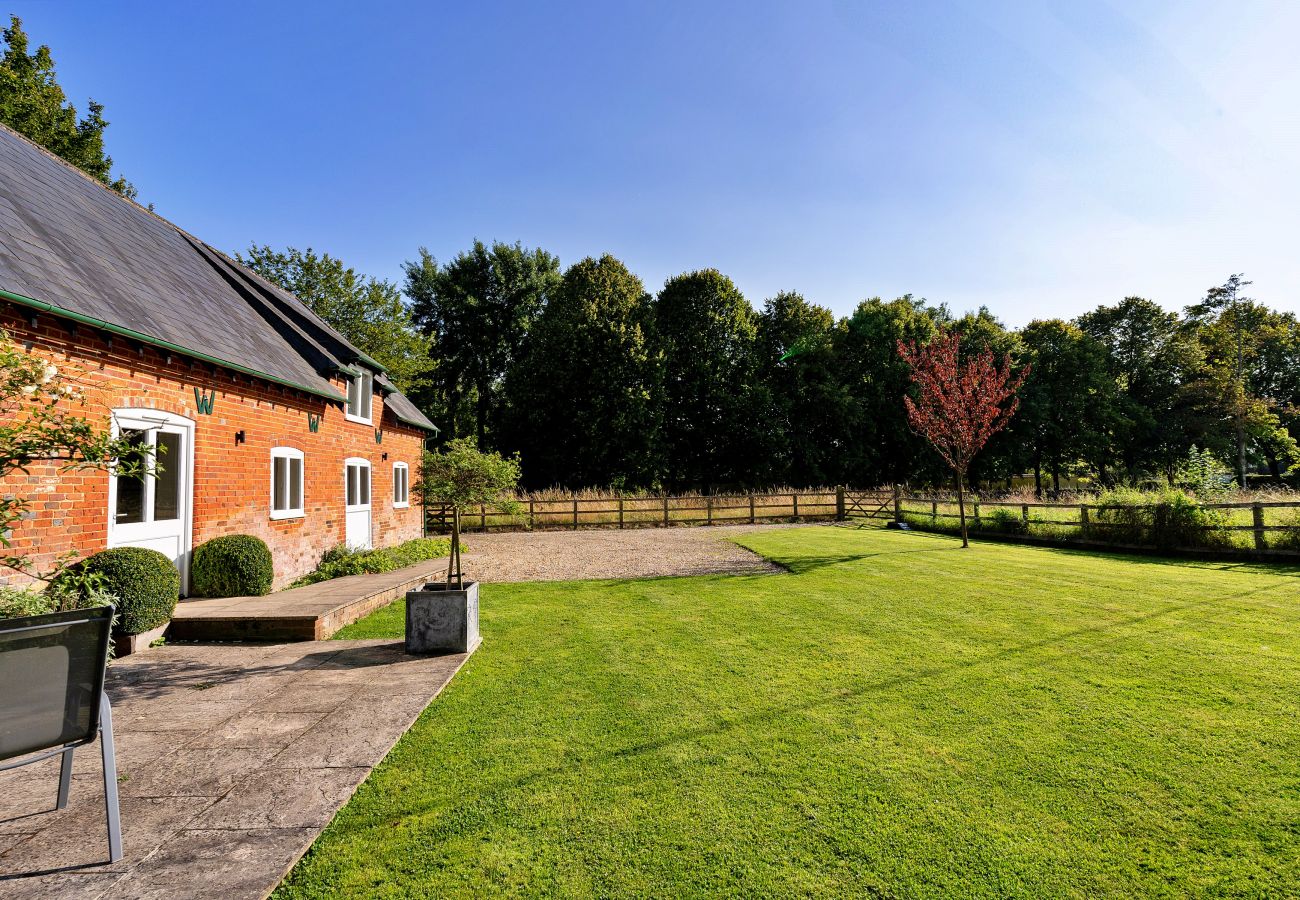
x,y
620,512
898,503
934,512
532,520
839,503
795,499
1083,514
482,516
1024,512
1257,513
665,510
708,505
575,513
976,502
752,517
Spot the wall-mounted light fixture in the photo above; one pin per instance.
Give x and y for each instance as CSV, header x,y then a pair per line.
x,y
239,436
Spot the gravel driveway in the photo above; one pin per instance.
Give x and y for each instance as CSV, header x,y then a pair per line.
x,y
611,553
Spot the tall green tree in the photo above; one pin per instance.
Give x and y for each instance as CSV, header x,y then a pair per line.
x,y
705,330
884,448
33,104
584,398
1160,410
369,312
1065,402
478,310
803,432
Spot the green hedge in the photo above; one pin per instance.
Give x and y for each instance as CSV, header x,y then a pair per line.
x,y
144,581
339,561
234,565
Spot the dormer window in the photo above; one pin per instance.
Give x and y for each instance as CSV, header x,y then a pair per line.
x,y
361,388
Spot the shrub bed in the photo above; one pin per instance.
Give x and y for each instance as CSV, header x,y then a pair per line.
x,y
233,565
339,561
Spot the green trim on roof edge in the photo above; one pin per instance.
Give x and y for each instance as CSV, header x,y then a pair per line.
x,y
158,342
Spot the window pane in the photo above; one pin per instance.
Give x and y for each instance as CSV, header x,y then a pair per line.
x,y
295,483
130,491
397,484
367,391
167,487
352,485
364,491
278,466
354,392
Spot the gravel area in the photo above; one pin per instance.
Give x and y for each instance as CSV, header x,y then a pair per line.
x,y
611,553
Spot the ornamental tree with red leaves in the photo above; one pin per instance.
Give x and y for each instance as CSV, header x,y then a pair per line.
x,y
959,404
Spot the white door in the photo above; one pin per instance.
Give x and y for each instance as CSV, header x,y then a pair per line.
x,y
356,489
154,511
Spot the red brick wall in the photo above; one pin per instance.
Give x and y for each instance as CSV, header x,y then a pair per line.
x,y
68,512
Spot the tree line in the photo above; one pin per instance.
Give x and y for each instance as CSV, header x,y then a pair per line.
x,y
595,381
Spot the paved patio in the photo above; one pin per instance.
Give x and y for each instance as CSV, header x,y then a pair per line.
x,y
309,613
231,759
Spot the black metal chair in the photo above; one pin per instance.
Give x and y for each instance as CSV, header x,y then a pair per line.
x,y
52,697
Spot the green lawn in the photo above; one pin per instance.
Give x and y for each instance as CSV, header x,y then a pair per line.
x,y
895,718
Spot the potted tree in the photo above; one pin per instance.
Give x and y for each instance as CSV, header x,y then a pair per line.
x,y
443,617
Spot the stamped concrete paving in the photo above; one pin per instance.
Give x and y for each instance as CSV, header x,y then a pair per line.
x,y
231,759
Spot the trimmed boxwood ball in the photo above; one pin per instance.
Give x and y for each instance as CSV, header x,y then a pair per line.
x,y
145,582
234,565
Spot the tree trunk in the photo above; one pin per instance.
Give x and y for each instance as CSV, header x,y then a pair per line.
x,y
453,555
482,407
1056,479
1275,469
1241,457
961,508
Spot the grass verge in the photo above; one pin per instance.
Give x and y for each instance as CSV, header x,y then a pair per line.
x,y
895,718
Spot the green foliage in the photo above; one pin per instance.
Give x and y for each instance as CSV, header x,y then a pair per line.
x,y
1287,540
893,719
1004,521
33,104
233,565
478,310
341,560
461,476
584,398
145,582
1165,519
369,312
1205,475
706,333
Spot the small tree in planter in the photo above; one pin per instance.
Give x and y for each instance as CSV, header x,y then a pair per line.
x,y
444,617
461,476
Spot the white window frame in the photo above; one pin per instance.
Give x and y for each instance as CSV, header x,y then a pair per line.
x,y
406,485
362,386
290,453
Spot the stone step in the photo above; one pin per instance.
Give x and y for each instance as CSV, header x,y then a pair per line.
x,y
310,613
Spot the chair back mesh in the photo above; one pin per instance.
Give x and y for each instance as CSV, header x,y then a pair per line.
x,y
51,676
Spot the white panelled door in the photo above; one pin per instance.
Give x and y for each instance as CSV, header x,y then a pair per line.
x,y
356,489
155,511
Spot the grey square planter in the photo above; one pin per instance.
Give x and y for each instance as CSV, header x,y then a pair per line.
x,y
442,619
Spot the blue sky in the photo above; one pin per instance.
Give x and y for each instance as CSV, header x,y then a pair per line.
x,y
1038,158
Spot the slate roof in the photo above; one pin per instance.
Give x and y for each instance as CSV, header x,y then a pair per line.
x,y
69,242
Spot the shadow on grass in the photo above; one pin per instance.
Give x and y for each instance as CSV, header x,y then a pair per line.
x,y
771,714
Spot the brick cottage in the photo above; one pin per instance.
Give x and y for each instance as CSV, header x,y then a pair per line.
x,y
267,421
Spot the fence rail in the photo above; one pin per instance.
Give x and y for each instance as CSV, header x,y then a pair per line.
x,y
647,512
896,506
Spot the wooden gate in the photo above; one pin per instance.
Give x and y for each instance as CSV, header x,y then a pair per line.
x,y
869,508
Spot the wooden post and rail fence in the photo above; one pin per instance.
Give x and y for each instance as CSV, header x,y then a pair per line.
x,y
1273,526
